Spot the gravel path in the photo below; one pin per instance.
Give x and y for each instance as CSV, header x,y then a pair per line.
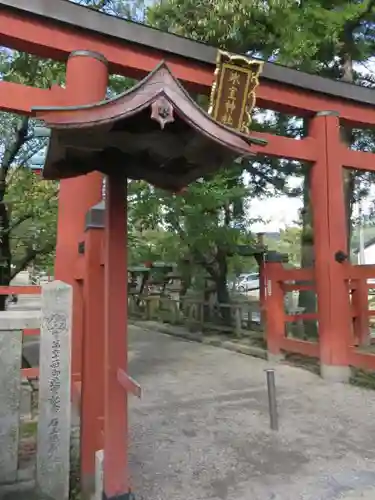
x,y
201,430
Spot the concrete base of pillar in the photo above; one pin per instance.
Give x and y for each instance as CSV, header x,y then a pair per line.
x,y
275,358
335,374
88,487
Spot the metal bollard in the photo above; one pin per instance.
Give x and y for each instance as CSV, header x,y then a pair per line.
x,y
272,404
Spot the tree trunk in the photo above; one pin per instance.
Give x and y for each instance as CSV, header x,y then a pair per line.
x,y
5,253
222,288
349,178
307,298
9,156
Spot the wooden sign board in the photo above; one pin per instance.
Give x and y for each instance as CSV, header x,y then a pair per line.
x,y
233,91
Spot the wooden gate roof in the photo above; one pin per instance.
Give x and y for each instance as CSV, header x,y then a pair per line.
x,y
155,131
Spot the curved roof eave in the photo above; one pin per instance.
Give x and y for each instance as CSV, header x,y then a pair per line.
x,y
159,83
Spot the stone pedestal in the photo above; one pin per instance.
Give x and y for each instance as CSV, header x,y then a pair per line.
x,y
335,374
53,451
275,358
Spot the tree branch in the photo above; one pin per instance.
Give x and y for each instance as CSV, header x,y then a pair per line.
x,y
28,215
30,256
352,24
13,149
198,256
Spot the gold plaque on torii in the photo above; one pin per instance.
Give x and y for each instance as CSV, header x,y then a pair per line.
x,y
233,91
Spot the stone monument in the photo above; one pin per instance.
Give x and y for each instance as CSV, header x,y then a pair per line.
x,y
53,445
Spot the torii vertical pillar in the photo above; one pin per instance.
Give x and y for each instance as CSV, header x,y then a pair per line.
x,y
92,375
86,83
116,480
330,237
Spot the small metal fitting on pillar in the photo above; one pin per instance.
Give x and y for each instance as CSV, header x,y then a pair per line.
x,y
327,113
89,53
95,216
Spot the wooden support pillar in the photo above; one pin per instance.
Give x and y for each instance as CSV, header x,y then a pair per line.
x,y
92,393
330,237
116,480
360,306
262,282
86,83
262,292
275,312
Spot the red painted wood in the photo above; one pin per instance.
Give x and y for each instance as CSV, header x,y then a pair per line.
x,y
361,272
128,383
116,480
280,273
79,272
16,98
30,372
275,315
31,332
300,347
92,397
359,160
330,236
359,303
78,329
362,360
284,147
20,290
39,37
86,82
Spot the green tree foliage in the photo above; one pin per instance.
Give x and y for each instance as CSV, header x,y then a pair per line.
x,y
205,223
128,9
289,243
28,207
332,38
316,36
208,221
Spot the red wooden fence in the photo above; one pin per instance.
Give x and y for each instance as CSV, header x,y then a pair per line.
x,y
280,280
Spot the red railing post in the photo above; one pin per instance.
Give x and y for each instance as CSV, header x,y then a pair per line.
x,y
275,311
92,388
330,247
86,83
361,328
116,473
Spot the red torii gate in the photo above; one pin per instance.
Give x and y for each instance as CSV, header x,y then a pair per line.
x,y
92,44
120,138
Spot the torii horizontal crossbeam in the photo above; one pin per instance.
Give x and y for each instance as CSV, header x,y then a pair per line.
x,y
134,50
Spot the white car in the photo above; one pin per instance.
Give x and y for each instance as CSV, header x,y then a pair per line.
x,y
248,282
